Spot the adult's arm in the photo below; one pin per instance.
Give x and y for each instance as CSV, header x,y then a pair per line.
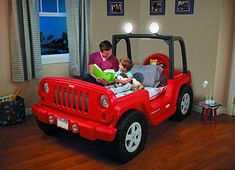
x,y
115,64
90,70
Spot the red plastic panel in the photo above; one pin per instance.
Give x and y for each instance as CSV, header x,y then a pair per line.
x,y
77,97
162,59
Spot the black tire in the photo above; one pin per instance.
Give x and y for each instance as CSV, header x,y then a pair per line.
x,y
47,128
122,149
184,104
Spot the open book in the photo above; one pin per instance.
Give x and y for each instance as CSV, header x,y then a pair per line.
x,y
108,74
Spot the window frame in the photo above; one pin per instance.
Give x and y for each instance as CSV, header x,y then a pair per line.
x,y
53,58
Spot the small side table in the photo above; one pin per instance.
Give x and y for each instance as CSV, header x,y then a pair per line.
x,y
209,107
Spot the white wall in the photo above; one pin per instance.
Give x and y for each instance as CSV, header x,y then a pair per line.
x,y
231,95
103,26
224,51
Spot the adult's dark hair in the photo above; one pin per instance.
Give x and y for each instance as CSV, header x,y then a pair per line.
x,y
105,45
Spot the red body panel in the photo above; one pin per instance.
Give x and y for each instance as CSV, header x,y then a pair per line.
x,y
79,103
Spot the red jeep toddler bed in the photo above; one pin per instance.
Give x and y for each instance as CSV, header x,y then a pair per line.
x,y
96,113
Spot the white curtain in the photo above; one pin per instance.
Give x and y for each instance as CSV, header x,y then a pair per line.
x,y
24,33
78,19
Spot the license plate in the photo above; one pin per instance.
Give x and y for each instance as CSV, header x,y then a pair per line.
x,y
63,123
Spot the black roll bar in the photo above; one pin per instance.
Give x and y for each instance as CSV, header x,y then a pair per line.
x,y
167,38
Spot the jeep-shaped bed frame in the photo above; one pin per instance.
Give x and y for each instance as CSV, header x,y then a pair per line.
x,y
96,113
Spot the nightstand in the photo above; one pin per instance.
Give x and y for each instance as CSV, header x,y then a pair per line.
x,y
212,108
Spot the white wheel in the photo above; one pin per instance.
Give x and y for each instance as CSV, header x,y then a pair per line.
x,y
132,130
185,103
133,137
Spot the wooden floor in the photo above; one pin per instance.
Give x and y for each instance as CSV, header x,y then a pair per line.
x,y
172,145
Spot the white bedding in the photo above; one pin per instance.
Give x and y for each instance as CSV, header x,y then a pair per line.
x,y
153,91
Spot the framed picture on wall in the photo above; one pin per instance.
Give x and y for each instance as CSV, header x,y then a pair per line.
x,y
115,7
184,6
157,7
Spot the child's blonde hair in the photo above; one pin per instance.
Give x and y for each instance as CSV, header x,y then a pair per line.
x,y
126,63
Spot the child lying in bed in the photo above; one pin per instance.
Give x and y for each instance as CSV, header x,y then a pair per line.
x,y
124,79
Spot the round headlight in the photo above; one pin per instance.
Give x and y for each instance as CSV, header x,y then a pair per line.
x,y
51,119
104,101
46,88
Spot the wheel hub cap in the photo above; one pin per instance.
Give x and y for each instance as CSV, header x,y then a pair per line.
x,y
185,102
133,137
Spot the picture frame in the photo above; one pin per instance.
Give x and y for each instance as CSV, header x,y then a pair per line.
x,y
184,6
115,7
157,7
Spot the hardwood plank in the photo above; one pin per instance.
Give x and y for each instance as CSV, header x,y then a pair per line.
x,y
190,144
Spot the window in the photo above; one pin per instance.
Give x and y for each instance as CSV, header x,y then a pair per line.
x,y
53,31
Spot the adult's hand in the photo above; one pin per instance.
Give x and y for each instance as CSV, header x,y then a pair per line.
x,y
102,81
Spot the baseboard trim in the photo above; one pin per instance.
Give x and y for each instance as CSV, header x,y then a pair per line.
x,y
197,109
28,111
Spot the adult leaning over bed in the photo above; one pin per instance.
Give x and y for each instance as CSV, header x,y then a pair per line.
x,y
104,59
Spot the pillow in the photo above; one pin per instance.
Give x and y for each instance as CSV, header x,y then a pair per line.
x,y
148,75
